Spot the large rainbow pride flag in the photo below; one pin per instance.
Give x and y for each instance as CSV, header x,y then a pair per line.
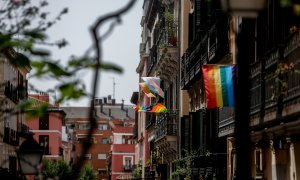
x,y
218,84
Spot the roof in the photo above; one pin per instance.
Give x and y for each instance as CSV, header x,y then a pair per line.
x,y
116,112
37,102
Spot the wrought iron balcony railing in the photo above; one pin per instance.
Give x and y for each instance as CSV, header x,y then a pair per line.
x,y
165,127
11,136
226,121
152,59
128,168
209,47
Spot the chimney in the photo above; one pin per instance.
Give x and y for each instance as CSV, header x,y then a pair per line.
x,y
101,108
122,105
96,102
109,99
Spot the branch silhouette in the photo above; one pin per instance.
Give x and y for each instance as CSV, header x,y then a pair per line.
x,y
97,46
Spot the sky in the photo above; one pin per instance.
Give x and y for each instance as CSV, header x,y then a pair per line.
x,y
121,47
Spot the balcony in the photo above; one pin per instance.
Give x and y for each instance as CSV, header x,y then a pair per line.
x,y
226,121
151,10
269,107
210,47
166,135
152,59
142,48
11,136
11,92
128,168
121,148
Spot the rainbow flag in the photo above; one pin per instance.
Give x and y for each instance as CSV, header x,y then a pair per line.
x,y
159,108
218,84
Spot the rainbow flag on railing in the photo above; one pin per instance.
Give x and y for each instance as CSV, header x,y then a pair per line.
x,y
218,84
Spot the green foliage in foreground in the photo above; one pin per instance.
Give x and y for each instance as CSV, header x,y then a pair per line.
x,y
87,173
63,171
56,169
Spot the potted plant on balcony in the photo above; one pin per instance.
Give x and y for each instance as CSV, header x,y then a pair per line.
x,y
170,26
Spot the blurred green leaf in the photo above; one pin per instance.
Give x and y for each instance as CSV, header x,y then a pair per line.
x,y
70,91
33,110
24,105
20,61
112,67
37,111
36,34
57,70
5,40
40,68
80,61
40,52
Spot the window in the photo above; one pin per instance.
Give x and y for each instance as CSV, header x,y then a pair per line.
x,y
102,126
44,122
105,141
102,172
102,156
44,142
12,164
127,162
88,156
84,126
85,140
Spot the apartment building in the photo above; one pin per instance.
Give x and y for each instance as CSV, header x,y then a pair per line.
x,y
159,58
208,35
107,111
13,90
122,155
47,129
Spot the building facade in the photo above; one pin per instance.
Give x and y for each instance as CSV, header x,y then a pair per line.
x,y
122,151
47,129
158,136
208,35
205,39
77,126
270,45
13,90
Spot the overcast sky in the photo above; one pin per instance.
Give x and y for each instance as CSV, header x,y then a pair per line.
x,y
122,47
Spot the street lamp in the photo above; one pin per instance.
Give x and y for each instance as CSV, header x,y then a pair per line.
x,y
29,156
246,9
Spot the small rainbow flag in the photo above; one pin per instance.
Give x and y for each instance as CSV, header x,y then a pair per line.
x,y
159,108
218,84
